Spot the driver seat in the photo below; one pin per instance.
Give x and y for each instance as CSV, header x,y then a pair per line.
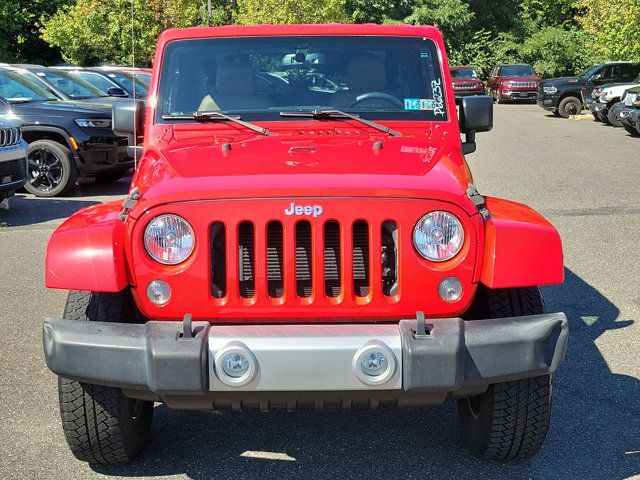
x,y
365,74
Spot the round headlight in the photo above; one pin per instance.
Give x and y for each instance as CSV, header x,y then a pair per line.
x,y
438,236
169,239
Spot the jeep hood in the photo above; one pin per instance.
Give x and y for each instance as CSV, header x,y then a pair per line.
x,y
560,81
287,167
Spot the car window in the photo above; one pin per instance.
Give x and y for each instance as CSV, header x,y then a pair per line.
x,y
72,86
377,77
17,88
126,81
517,71
97,80
628,72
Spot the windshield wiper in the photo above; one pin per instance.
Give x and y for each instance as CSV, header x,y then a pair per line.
x,y
340,114
213,116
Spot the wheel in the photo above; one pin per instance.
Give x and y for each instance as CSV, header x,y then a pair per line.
x,y
613,120
499,99
51,171
638,127
100,423
596,117
603,118
569,106
631,131
511,419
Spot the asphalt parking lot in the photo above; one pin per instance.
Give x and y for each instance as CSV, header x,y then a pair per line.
x,y
582,175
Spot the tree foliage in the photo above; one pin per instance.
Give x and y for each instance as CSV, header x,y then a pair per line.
x,y
290,11
613,27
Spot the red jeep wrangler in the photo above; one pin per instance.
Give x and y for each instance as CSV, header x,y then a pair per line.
x,y
303,231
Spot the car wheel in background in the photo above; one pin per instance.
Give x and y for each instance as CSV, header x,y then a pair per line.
x,y
596,117
569,106
613,120
51,171
631,130
603,118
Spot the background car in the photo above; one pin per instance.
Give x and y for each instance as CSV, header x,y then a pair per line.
x,y
67,139
13,154
513,82
466,81
607,97
108,80
566,96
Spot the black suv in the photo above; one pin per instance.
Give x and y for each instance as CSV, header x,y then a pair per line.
x,y
67,139
567,95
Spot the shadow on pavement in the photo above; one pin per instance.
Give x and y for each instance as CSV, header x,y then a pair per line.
x,y
594,430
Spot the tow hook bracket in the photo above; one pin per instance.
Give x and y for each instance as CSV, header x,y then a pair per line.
x,y
423,329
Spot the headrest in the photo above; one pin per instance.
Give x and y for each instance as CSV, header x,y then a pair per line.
x,y
366,73
235,77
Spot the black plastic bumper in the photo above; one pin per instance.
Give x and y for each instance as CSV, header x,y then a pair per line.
x,y
104,155
454,355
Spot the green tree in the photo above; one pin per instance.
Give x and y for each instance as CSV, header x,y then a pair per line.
x,y
19,30
252,12
557,52
613,27
95,31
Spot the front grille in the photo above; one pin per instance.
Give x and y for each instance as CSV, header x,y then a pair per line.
x,y
12,171
465,86
342,263
10,136
521,84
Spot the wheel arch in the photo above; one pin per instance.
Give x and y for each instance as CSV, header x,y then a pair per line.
x,y
571,93
522,248
87,251
31,133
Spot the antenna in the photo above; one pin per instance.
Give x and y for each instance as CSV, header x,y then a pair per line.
x,y
133,74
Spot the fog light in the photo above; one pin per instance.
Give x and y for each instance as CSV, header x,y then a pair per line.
x,y
374,363
159,292
450,289
235,365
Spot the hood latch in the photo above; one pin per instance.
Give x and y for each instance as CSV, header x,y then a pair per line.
x,y
129,203
479,201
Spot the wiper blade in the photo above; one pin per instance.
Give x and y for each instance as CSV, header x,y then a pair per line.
x,y
341,114
213,116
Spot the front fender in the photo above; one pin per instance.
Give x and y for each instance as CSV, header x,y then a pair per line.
x,y
521,247
87,251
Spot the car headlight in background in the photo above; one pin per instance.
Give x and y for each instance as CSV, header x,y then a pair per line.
x,y
550,90
607,97
169,239
438,236
93,122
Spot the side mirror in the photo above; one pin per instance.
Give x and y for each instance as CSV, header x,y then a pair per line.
x,y
127,120
116,92
476,115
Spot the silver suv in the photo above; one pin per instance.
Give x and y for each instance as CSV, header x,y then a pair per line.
x,y
13,154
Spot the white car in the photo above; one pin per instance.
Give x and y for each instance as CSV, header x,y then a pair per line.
x,y
13,155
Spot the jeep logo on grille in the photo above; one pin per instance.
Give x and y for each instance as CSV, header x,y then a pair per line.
x,y
308,210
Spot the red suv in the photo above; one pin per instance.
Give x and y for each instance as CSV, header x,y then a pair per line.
x,y
513,82
303,231
466,81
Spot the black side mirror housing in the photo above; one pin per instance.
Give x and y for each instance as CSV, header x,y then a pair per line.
x,y
476,115
127,120
116,92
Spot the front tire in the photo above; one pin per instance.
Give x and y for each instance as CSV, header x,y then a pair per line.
x,y
569,106
631,130
511,419
613,120
100,423
51,170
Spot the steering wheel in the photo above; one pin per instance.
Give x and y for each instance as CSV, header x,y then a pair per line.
x,y
384,97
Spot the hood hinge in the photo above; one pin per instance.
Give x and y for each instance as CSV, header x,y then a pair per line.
x,y
478,201
128,204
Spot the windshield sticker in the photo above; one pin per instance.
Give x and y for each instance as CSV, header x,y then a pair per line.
x,y
419,104
436,88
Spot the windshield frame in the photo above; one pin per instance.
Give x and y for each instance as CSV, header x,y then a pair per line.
x,y
273,113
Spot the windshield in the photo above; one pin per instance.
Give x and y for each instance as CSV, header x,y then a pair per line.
x,y
17,88
590,71
144,76
463,73
72,86
126,81
517,71
259,77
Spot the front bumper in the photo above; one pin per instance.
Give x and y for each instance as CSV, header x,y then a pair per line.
x,y
518,94
104,154
13,168
597,107
158,360
548,102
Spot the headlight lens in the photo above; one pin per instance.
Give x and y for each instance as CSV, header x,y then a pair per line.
x,y
438,236
93,122
169,239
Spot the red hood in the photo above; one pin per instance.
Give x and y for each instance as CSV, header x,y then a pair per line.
x,y
520,79
295,166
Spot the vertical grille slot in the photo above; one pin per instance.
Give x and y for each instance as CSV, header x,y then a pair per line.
x,y
275,282
389,258
218,246
332,271
361,279
246,260
303,259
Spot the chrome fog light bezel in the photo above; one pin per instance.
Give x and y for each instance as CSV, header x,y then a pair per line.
x,y
374,346
230,349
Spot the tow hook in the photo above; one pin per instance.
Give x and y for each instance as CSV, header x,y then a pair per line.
x,y
478,201
129,203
